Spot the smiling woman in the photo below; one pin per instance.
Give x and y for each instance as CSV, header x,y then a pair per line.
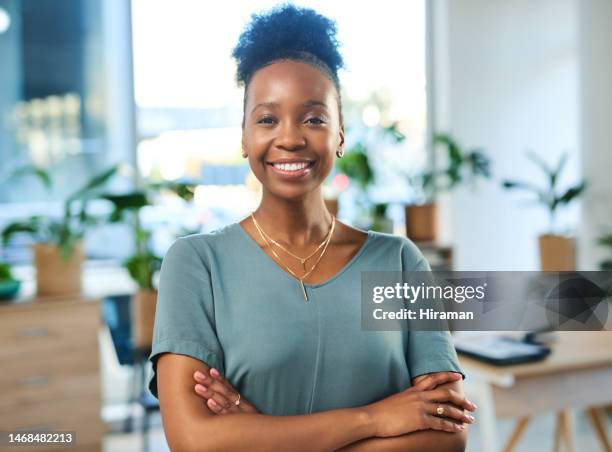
x,y
261,319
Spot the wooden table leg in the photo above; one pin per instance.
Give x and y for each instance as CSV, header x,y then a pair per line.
x,y
517,433
600,428
564,431
487,418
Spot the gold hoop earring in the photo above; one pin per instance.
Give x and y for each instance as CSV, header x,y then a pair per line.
x,y
339,153
244,155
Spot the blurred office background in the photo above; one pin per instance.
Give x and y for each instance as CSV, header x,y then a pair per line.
x,y
473,92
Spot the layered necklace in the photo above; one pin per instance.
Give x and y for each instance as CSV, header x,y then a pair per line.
x,y
269,241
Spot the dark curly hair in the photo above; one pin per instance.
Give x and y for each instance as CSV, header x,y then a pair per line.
x,y
291,33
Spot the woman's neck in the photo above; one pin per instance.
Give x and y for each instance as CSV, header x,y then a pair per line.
x,y
294,222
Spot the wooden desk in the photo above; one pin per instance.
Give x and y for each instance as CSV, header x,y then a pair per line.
x,y
576,375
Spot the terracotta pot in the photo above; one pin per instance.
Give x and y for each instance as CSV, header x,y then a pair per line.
x,y
332,206
54,275
143,317
422,222
557,253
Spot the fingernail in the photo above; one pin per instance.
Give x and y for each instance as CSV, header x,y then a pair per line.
x,y
461,426
213,403
201,388
200,376
472,418
214,372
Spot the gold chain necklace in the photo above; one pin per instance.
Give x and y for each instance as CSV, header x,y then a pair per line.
x,y
280,261
302,260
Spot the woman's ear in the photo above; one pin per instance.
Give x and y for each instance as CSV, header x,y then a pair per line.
x,y
243,144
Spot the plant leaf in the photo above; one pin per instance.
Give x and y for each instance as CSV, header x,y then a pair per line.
x,y
96,182
30,226
535,158
572,193
26,170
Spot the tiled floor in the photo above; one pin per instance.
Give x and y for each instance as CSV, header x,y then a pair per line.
x,y
537,438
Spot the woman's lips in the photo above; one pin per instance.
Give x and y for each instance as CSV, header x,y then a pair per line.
x,y
291,174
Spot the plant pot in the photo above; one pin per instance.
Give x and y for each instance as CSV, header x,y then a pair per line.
x,y
332,206
54,275
143,317
421,222
557,253
9,289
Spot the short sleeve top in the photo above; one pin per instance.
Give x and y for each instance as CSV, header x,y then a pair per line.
x,y
224,301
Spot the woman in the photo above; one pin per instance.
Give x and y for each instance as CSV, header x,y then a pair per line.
x,y
273,302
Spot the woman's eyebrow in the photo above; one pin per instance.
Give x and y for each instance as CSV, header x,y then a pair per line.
x,y
307,104
314,103
265,104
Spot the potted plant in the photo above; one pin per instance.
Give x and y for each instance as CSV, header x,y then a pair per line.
x,y
58,242
461,166
9,286
557,252
143,264
606,240
356,166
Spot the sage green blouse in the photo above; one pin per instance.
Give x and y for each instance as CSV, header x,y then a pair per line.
x,y
225,302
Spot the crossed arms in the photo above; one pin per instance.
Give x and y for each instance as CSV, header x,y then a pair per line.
x,y
404,421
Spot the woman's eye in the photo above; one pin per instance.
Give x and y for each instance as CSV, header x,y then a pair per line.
x,y
315,120
266,120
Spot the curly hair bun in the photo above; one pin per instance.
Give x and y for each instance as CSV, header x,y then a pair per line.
x,y
288,32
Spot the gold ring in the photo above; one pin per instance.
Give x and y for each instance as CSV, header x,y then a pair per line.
x,y
440,410
237,402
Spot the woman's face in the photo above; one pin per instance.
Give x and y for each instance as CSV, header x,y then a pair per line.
x,y
291,128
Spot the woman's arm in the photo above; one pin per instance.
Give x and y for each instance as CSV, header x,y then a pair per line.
x,y
190,425
422,441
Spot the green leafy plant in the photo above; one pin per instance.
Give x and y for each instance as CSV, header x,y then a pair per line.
x,y
6,273
549,196
379,217
606,240
356,165
71,227
144,263
462,166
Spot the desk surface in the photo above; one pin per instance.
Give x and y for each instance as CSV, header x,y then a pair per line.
x,y
573,350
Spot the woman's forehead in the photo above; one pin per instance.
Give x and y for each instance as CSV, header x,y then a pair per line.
x,y
288,83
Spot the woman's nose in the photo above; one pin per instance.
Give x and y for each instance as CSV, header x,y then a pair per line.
x,y
290,137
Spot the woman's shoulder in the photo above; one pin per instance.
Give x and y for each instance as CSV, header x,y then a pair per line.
x,y
202,244
397,245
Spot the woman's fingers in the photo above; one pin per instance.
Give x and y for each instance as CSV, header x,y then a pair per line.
x,y
222,392
216,385
215,407
433,380
219,401
449,395
440,423
448,411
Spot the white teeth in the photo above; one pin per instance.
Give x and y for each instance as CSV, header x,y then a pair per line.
x,y
290,166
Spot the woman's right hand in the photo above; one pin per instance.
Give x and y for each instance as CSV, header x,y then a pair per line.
x,y
412,410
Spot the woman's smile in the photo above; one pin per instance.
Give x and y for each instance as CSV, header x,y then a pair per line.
x,y
291,169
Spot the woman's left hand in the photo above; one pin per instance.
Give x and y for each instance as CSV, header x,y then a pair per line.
x,y
219,394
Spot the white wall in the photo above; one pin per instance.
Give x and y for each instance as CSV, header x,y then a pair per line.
x,y
595,34
506,79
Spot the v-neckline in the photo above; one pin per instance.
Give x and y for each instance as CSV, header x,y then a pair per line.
x,y
293,278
